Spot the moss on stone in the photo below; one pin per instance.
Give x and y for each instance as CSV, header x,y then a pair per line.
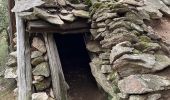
x,y
144,38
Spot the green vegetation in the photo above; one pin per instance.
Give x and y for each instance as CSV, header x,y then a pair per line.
x,y
3,34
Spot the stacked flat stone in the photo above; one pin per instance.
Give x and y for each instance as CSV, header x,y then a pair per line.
x,y
127,57
40,70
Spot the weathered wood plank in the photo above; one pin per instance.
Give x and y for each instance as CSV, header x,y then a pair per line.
x,y
12,28
45,27
23,60
58,81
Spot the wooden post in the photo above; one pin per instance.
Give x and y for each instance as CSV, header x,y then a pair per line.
x,y
12,28
58,81
23,61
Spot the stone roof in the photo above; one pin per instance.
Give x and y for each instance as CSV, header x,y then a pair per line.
x,y
54,11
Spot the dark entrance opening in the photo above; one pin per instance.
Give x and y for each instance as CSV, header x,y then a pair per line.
x,y
75,63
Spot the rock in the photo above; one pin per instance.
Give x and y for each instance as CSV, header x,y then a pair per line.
x,y
93,46
12,62
140,84
37,79
40,96
15,91
68,17
39,44
137,97
130,64
42,70
13,54
101,30
40,86
119,50
145,97
101,24
167,2
145,46
104,56
36,54
122,95
94,32
101,79
155,7
81,13
162,62
154,97
46,57
132,2
105,69
51,93
10,73
117,38
37,60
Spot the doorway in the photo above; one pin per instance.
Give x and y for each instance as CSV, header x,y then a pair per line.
x,y
75,63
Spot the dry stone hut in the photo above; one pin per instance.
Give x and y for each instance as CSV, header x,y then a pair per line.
x,y
91,50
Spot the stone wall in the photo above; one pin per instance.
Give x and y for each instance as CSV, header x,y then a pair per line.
x,y
42,88
128,58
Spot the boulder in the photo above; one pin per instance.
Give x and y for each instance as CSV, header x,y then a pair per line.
x,y
81,13
40,86
141,84
10,73
37,60
36,54
12,62
40,96
39,44
42,70
120,49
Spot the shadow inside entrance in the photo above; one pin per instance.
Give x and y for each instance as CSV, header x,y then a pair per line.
x,y
75,63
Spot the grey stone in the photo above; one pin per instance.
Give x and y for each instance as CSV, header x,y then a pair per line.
x,y
119,50
37,79
137,97
81,13
42,70
100,78
10,73
117,38
37,60
93,46
12,62
140,84
154,97
36,54
42,85
167,2
68,17
104,56
40,96
39,44
13,54
105,69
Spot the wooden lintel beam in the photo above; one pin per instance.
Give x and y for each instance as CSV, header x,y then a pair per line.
x,y
45,27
